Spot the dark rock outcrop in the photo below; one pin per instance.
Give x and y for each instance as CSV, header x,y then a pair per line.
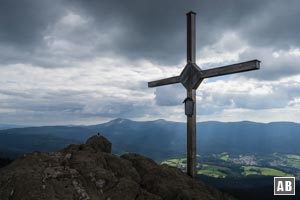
x,y
4,162
99,143
90,171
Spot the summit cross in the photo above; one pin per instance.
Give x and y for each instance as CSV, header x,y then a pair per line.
x,y
191,77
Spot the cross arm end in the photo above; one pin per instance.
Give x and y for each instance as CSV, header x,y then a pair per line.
x,y
165,81
231,69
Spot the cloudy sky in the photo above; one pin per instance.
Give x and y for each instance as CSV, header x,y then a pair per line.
x,y
86,62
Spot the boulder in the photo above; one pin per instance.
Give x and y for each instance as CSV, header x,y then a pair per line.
x,y
99,143
90,172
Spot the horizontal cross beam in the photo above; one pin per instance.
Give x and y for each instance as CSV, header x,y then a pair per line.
x,y
165,81
231,69
208,73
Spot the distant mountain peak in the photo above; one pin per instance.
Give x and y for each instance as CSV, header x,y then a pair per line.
x,y
117,121
160,121
120,120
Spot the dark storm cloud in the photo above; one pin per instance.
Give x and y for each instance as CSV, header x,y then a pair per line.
x,y
156,29
22,28
153,30
277,25
22,23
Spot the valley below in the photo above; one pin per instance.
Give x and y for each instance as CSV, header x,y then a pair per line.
x,y
248,176
225,165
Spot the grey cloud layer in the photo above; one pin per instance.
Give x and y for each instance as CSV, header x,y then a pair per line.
x,y
23,22
72,34
148,29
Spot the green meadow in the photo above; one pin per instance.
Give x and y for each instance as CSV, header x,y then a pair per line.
x,y
262,171
224,165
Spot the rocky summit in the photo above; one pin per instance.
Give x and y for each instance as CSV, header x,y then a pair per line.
x,y
89,171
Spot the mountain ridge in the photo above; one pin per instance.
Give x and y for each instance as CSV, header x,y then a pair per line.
x,y
14,126
160,139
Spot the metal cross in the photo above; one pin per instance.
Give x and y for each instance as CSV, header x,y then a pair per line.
x,y
191,77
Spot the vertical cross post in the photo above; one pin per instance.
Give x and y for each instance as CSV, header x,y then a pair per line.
x,y
191,120
191,77
191,37
191,138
